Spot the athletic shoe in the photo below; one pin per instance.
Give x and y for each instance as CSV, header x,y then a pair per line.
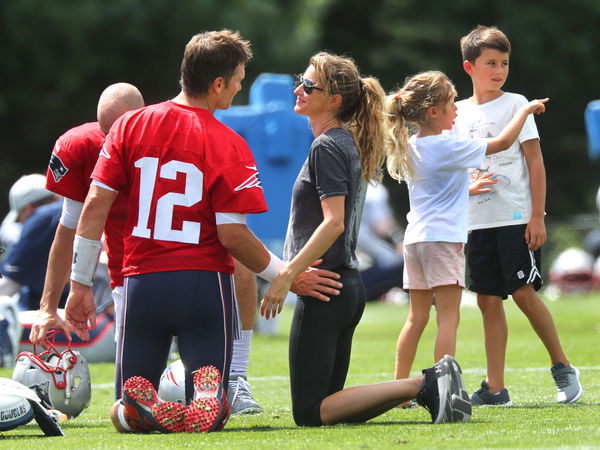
x,y
144,411
209,409
568,387
483,397
434,394
461,405
241,399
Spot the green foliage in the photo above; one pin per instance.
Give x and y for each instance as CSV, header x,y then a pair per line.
x,y
58,55
536,421
552,56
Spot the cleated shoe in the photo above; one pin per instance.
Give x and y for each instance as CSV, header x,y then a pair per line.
x,y
568,387
144,411
134,420
209,410
483,397
459,398
241,399
203,415
434,394
207,383
170,415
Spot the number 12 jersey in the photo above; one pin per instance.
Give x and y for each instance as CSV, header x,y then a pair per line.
x,y
178,167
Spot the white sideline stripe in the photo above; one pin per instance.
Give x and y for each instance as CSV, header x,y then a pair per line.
x,y
387,374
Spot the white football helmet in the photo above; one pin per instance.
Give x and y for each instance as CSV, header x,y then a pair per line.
x,y
572,270
172,383
60,379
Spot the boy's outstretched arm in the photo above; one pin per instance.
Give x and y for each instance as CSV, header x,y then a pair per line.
x,y
535,233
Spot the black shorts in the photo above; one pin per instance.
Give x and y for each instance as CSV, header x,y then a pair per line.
x,y
500,262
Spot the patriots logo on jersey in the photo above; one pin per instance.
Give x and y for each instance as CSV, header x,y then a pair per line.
x,y
250,182
57,167
43,392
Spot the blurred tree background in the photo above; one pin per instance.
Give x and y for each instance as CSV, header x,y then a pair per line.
x,y
57,56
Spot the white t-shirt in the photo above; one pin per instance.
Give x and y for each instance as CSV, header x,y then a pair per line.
x,y
439,187
509,202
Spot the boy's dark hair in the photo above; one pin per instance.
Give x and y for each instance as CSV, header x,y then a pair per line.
x,y
211,55
482,37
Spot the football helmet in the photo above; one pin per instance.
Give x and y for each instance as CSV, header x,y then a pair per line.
x,y
171,387
60,379
572,270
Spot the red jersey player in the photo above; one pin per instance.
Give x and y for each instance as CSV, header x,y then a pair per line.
x,y
72,161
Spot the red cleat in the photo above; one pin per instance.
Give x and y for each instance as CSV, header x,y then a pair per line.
x,y
201,416
207,382
209,411
146,412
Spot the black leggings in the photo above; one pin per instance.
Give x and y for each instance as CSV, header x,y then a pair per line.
x,y
320,345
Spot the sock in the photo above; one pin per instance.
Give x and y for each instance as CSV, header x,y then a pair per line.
x,y
121,417
241,355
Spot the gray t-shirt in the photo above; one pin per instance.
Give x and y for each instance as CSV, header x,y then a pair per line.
x,y
331,169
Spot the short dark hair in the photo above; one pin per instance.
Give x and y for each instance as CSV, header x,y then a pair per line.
x,y
211,55
482,37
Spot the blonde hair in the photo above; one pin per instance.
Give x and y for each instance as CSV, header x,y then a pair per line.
x,y
361,109
409,105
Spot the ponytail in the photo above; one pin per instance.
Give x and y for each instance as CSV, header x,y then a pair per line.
x,y
398,164
409,105
367,128
361,110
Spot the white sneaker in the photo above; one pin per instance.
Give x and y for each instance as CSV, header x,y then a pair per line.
x,y
568,387
239,395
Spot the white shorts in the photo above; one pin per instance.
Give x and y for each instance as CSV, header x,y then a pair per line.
x,y
431,264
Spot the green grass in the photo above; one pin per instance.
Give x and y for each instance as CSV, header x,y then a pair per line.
x,y
536,421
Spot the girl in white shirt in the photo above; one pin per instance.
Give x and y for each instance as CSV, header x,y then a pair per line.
x,y
435,167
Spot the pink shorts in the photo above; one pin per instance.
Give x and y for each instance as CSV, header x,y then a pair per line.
x,y
431,264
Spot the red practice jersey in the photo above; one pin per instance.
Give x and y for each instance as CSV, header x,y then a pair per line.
x,y
178,166
69,174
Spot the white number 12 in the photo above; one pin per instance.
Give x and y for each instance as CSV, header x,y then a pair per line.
x,y
163,221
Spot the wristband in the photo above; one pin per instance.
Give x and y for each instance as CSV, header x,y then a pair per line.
x,y
273,268
85,259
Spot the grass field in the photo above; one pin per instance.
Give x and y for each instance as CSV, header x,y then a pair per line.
x,y
536,420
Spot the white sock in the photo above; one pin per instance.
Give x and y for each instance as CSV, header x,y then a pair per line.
x,y
241,355
121,416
